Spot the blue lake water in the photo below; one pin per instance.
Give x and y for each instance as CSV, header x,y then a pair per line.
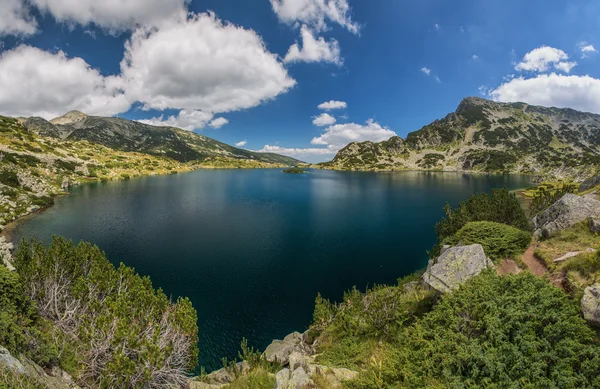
x,y
252,248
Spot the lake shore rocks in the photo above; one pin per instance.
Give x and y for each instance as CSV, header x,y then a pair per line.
x,y
590,304
566,212
455,266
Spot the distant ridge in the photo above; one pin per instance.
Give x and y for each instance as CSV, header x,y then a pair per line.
x,y
488,136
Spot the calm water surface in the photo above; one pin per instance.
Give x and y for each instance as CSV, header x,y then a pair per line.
x,y
252,248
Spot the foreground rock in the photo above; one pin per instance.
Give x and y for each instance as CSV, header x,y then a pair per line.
x,y
10,362
279,351
566,212
590,304
456,266
589,184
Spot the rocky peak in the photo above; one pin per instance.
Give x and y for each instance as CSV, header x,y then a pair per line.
x,y
469,102
69,117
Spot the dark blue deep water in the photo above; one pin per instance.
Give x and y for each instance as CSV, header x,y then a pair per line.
x,y
252,248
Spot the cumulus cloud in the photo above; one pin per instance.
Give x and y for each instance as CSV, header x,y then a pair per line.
x,y
543,58
298,152
315,13
218,122
185,119
332,104
425,70
323,119
586,49
15,18
339,135
314,50
475,57
201,64
578,92
34,82
241,143
115,15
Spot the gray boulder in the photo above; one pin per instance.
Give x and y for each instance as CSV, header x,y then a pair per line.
x,y
566,212
456,266
589,184
590,304
280,350
292,379
10,362
595,225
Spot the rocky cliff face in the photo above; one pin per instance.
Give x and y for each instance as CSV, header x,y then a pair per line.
x,y
127,135
488,136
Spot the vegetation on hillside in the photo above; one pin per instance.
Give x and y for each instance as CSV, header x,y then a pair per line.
x,y
68,306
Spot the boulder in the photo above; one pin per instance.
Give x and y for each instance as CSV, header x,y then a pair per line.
x,y
5,253
566,212
10,362
456,266
297,360
590,304
279,350
594,225
227,375
589,184
335,376
282,378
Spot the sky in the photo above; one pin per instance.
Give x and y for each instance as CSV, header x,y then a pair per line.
x,y
296,77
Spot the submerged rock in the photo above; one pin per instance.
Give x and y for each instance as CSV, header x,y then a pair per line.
x,y
456,266
590,304
566,212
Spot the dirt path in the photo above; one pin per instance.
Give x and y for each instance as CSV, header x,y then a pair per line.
x,y
533,264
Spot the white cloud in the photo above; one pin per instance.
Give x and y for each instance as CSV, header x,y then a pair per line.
x,y
15,18
314,50
34,82
437,27
578,92
201,64
323,119
540,60
187,120
315,13
115,15
438,79
241,143
426,70
332,104
586,49
218,122
297,152
475,57
339,135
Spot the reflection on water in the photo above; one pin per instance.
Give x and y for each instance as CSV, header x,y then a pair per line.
x,y
253,248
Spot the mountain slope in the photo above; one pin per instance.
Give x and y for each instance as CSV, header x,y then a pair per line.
x,y
488,136
126,135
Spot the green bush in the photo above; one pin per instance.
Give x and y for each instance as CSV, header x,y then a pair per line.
x,y
9,178
494,332
43,201
500,241
127,333
501,206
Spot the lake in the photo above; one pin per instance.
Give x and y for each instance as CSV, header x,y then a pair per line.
x,y
252,248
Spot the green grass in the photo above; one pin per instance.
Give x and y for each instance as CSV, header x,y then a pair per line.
x,y
257,379
576,238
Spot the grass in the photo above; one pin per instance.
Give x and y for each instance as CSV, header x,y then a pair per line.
x,y
576,238
257,379
11,380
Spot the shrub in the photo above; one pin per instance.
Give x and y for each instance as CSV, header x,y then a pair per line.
x,y
66,165
128,334
500,206
494,332
500,241
43,201
9,178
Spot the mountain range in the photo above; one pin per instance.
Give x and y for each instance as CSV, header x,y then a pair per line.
x,y
488,136
127,135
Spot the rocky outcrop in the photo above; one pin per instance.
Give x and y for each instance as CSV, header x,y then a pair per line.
x,y
590,304
10,362
594,225
456,266
589,184
566,212
5,253
279,351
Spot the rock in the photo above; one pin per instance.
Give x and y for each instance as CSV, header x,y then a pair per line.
x,y
297,360
589,184
5,253
335,376
456,266
594,225
299,379
566,212
226,375
590,304
11,362
572,254
279,350
282,378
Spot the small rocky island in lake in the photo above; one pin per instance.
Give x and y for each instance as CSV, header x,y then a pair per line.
x,y
295,170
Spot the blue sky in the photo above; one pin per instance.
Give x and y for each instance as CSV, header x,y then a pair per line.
x,y
234,74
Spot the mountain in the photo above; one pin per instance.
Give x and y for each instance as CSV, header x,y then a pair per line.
x,y
488,136
127,135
